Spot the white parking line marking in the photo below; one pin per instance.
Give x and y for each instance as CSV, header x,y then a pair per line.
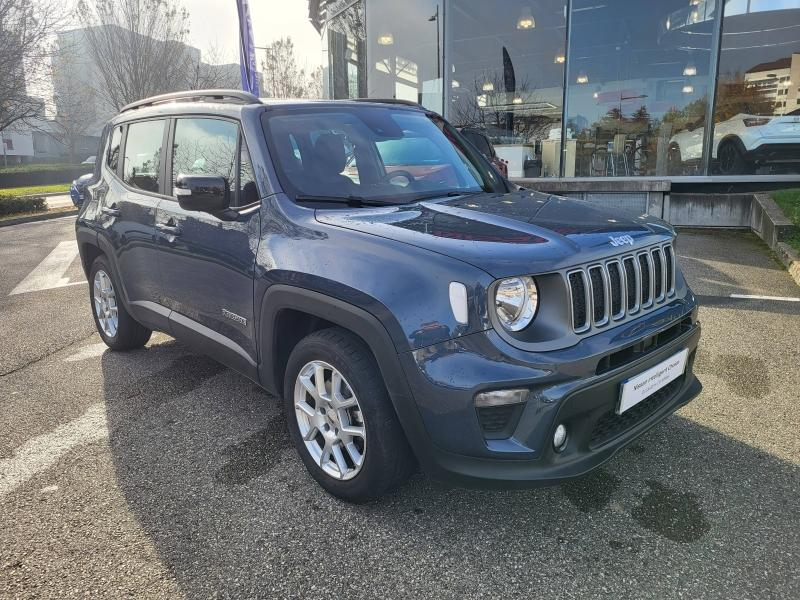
x,y
755,297
43,451
87,352
50,273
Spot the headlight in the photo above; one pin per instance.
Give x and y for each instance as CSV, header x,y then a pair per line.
x,y
515,302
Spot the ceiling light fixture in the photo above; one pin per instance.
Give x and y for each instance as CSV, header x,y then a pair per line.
x,y
526,20
517,100
385,39
488,87
582,78
559,59
689,70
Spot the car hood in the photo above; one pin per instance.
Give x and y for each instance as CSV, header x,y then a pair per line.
x,y
507,234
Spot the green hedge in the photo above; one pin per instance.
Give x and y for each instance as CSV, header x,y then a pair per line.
x,y
39,167
16,204
43,175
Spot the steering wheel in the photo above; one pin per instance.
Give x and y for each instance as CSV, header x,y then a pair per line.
x,y
399,174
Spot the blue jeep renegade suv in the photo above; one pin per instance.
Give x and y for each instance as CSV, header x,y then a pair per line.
x,y
365,262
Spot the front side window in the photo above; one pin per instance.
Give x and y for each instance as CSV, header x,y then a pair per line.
x,y
143,155
205,147
112,157
376,153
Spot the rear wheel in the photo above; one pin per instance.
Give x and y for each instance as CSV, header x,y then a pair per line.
x,y
340,417
117,328
731,160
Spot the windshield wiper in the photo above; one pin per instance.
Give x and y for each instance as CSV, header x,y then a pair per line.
x,y
355,201
448,194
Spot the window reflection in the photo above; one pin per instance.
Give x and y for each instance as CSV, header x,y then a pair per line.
x,y
143,155
638,87
343,38
505,78
404,50
757,116
205,147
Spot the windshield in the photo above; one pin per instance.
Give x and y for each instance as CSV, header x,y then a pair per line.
x,y
379,154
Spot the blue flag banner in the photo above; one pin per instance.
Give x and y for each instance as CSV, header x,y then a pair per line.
x,y
247,50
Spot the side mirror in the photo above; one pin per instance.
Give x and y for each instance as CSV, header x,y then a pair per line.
x,y
204,193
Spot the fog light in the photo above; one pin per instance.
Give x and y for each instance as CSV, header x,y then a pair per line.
x,y
500,397
560,438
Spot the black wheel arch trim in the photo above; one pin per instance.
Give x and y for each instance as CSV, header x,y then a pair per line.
x,y
365,325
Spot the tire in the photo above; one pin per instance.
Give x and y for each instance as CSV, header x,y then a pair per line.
x,y
125,333
731,160
674,162
386,459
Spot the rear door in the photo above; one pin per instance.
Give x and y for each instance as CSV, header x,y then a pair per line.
x,y
207,261
133,174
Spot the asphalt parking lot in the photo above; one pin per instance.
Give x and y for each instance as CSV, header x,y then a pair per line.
x,y
160,474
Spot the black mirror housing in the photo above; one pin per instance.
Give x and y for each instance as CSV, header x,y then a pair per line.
x,y
203,193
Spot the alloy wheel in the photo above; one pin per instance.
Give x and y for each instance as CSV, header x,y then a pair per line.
x,y
330,420
105,303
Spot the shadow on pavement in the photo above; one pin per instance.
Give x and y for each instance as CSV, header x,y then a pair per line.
x,y
204,462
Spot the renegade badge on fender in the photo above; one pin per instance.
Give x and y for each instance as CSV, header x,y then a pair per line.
x,y
363,261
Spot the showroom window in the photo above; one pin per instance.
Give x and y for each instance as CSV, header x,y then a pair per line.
x,y
343,39
404,51
757,112
639,82
505,75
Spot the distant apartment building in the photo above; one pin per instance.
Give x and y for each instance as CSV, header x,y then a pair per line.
x,y
778,81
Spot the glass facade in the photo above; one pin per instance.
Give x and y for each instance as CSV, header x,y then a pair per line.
x,y
580,88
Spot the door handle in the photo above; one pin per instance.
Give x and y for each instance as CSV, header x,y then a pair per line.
x,y
170,229
111,212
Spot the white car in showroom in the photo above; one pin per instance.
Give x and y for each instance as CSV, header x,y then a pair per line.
x,y
741,144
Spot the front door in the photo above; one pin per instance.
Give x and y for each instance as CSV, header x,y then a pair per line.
x,y
207,261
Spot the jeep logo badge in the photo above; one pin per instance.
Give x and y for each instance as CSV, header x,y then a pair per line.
x,y
621,240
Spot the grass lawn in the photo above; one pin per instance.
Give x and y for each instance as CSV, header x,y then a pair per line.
x,y
789,201
35,189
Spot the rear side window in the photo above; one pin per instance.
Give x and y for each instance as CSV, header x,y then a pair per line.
x,y
140,168
205,147
112,157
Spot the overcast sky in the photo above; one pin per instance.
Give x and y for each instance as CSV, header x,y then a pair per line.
x,y
214,22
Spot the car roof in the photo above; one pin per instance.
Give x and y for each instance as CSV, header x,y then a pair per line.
x,y
231,103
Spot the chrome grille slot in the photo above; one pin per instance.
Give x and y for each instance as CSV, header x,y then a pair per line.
x,y
659,272
599,295
645,275
616,288
669,262
620,287
579,300
631,284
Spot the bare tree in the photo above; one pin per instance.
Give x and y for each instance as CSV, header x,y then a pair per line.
x,y
25,29
212,73
138,47
282,76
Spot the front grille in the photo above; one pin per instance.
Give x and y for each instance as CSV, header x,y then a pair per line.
x,y
612,425
619,287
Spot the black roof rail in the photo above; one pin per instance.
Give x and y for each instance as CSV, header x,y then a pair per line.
x,y
195,96
389,101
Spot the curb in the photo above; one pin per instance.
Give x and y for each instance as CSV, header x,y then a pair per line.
x,y
790,259
42,217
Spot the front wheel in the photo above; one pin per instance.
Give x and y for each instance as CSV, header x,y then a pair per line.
x,y
117,328
340,417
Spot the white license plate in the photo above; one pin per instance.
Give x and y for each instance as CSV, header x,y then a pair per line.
x,y
636,389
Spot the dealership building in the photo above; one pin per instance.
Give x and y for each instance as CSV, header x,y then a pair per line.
x,y
676,90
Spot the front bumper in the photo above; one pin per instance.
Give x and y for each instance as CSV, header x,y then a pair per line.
x,y
577,386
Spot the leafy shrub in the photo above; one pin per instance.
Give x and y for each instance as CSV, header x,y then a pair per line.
x,y
17,204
